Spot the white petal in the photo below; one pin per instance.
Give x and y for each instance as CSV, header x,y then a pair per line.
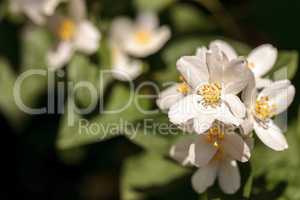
x,y
35,14
263,58
229,176
236,76
224,115
249,93
226,48
50,6
202,123
60,56
215,64
182,153
246,127
121,29
169,97
235,105
271,135
158,39
204,178
123,67
193,69
185,109
87,37
235,146
77,9
281,94
263,82
204,151
147,20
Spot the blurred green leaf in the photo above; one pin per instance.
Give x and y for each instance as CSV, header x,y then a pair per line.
x,y
124,111
7,101
147,170
153,5
35,44
286,65
84,74
187,18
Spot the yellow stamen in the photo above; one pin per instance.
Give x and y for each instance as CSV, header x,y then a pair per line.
x,y
142,37
211,94
183,87
214,136
263,109
66,29
219,154
250,65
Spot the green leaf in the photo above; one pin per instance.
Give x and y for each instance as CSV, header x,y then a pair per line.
x,y
82,73
105,125
147,170
35,44
153,5
187,18
7,101
286,65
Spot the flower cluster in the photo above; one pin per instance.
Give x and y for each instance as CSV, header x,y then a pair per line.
x,y
222,98
128,41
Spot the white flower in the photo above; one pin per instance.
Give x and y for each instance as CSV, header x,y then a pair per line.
x,y
201,149
36,10
214,153
124,68
215,83
74,34
260,60
141,38
271,101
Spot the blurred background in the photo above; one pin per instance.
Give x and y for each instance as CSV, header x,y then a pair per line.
x,y
35,169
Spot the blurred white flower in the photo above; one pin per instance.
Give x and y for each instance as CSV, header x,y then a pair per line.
x,y
214,152
141,38
36,10
215,83
271,101
260,60
74,33
124,68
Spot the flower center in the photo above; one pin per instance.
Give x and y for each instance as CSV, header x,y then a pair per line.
x,y
263,109
183,87
214,136
142,37
211,94
66,29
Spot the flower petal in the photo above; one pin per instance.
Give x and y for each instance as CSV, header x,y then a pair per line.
x,y
280,93
263,82
50,6
235,146
147,20
121,29
185,109
204,177
263,58
193,69
216,63
226,48
169,97
271,135
157,40
224,115
236,76
204,151
202,123
77,9
183,152
229,176
235,105
87,37
60,56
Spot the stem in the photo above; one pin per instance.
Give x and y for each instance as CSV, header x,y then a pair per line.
x,y
222,17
